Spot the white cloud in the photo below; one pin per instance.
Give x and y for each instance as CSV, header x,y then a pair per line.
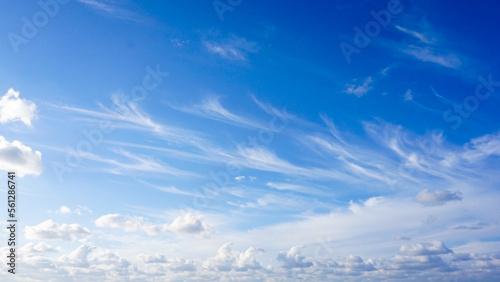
x,y
186,224
19,158
427,54
234,48
408,95
40,248
227,259
152,258
438,197
359,89
80,208
64,210
49,230
420,36
293,258
12,108
128,223
126,114
180,264
211,108
189,223
425,249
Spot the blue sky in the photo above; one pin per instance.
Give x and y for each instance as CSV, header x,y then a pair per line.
x,y
340,140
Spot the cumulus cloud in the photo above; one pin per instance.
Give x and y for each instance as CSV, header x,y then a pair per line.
x,y
128,223
12,108
293,259
79,257
152,258
359,89
50,230
177,264
352,265
180,264
189,223
438,197
40,248
64,210
94,260
227,259
425,249
413,263
19,158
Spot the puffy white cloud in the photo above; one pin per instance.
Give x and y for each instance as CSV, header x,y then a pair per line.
x,y
78,257
91,261
12,108
412,263
128,223
63,210
152,258
425,249
39,248
227,259
50,230
180,264
293,259
352,265
177,264
19,158
189,223
438,197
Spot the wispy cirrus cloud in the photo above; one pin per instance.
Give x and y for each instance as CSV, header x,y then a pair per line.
x,y
359,89
127,115
233,48
111,8
211,108
428,54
